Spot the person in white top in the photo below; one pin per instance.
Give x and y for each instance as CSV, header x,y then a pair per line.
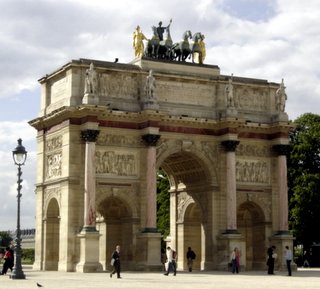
x,y
288,257
172,265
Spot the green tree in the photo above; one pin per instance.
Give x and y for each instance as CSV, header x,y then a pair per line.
x,y
5,239
163,203
304,179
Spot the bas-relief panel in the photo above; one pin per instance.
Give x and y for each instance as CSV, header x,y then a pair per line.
x,y
118,163
253,171
58,89
253,164
53,157
118,85
186,93
251,98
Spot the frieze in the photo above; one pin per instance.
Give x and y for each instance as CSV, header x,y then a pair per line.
x,y
253,150
253,171
106,139
114,163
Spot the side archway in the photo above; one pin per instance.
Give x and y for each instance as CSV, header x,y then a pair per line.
x,y
115,224
252,225
52,233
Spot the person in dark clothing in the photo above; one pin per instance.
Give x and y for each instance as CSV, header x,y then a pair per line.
x,y
8,261
190,257
116,262
271,257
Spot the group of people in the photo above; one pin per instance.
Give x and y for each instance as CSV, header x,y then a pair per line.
x,y
170,257
272,256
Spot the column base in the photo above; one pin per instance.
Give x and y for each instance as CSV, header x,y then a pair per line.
x,y
150,260
283,233
231,232
280,239
150,230
89,251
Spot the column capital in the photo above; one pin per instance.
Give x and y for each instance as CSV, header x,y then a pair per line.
x,y
89,135
230,145
281,149
150,139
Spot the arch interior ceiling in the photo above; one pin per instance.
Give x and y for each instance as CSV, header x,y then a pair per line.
x,y
185,168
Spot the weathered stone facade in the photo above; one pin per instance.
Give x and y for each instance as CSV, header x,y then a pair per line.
x,y
220,139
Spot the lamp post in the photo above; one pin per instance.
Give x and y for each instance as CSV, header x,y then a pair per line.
x,y
19,156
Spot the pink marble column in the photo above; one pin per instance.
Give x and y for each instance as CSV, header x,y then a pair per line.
x,y
150,141
231,187
281,151
90,137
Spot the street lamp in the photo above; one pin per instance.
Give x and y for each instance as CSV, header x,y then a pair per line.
x,y
19,157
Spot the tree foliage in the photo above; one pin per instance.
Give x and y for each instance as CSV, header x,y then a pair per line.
x,y
163,203
5,239
304,179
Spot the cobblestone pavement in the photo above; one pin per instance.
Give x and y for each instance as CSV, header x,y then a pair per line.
x,y
302,279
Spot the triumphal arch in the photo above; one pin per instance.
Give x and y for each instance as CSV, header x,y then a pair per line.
x,y
105,128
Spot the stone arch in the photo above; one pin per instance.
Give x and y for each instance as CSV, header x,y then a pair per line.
x,y
116,225
191,199
252,226
52,233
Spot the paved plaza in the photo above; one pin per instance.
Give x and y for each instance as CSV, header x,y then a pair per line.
x,y
302,279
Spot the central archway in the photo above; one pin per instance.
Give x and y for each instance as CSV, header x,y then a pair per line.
x,y
191,198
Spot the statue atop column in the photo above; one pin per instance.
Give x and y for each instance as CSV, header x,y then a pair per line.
x,y
91,86
150,85
229,92
281,97
150,101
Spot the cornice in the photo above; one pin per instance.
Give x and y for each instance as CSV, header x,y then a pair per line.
x,y
106,117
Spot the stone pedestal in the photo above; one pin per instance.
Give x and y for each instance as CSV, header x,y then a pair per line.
x,y
228,242
151,245
89,253
150,104
280,240
231,112
90,98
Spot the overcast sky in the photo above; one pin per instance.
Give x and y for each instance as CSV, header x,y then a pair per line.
x,y
266,39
